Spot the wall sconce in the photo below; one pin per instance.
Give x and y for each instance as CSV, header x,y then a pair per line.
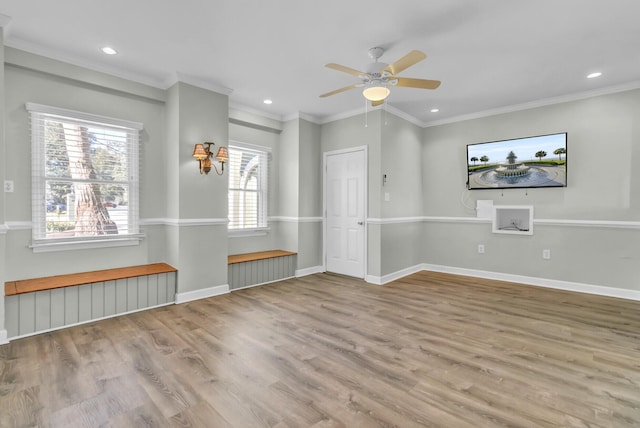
x,y
203,153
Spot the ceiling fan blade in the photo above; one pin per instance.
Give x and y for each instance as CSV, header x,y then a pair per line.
x,y
346,69
408,82
337,91
405,62
376,103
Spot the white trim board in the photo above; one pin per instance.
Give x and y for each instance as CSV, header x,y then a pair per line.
x,y
381,280
18,225
600,290
309,271
296,219
619,224
184,222
203,293
3,337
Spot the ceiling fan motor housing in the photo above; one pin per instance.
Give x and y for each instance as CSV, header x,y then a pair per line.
x,y
375,53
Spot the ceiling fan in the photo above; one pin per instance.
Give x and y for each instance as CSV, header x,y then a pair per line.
x,y
379,76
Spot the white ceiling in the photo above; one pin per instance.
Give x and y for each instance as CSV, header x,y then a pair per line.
x,y
490,55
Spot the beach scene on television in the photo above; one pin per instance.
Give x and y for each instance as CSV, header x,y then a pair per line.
x,y
518,163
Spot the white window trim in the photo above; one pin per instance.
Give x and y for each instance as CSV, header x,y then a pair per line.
x,y
42,246
261,230
244,233
103,241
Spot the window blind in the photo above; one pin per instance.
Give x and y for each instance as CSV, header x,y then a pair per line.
x,y
248,185
84,174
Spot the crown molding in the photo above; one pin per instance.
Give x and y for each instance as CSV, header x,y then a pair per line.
x,y
4,20
197,82
303,116
251,110
536,104
90,65
346,115
397,112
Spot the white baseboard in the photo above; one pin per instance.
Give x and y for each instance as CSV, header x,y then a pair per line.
x,y
600,290
380,280
189,296
3,337
309,271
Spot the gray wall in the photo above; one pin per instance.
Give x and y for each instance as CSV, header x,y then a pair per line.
x,y
252,129
603,185
29,78
400,241
603,176
295,192
309,196
198,115
590,226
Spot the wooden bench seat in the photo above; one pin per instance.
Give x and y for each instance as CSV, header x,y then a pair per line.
x,y
58,281
260,255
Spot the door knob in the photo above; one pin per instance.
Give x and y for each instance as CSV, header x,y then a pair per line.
x,y
360,223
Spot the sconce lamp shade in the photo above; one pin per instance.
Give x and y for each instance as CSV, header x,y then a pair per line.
x,y
199,152
223,155
376,93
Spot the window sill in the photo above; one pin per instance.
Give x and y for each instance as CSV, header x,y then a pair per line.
x,y
242,233
45,246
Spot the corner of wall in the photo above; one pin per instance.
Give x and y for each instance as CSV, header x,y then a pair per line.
x,y
3,337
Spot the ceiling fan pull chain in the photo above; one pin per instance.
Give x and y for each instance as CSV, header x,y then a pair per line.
x,y
366,113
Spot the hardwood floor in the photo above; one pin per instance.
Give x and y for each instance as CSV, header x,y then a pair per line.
x,y
327,351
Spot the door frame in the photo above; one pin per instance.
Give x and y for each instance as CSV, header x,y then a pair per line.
x,y
365,202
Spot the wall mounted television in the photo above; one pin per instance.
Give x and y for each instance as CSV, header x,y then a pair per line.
x,y
518,163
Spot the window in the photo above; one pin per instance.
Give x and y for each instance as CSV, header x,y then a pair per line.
x,y
248,182
85,179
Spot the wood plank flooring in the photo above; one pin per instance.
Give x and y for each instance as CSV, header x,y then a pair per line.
x,y
322,351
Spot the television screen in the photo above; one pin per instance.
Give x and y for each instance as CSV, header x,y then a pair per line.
x,y
518,163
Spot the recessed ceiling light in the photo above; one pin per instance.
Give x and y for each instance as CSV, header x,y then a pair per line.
x,y
109,50
268,101
434,110
594,75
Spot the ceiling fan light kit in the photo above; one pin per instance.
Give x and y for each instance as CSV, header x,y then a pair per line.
x,y
376,92
379,76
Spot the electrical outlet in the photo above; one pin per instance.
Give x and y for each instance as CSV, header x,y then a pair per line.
x,y
481,248
8,186
546,254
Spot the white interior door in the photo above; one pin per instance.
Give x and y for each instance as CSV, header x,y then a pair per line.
x,y
345,205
